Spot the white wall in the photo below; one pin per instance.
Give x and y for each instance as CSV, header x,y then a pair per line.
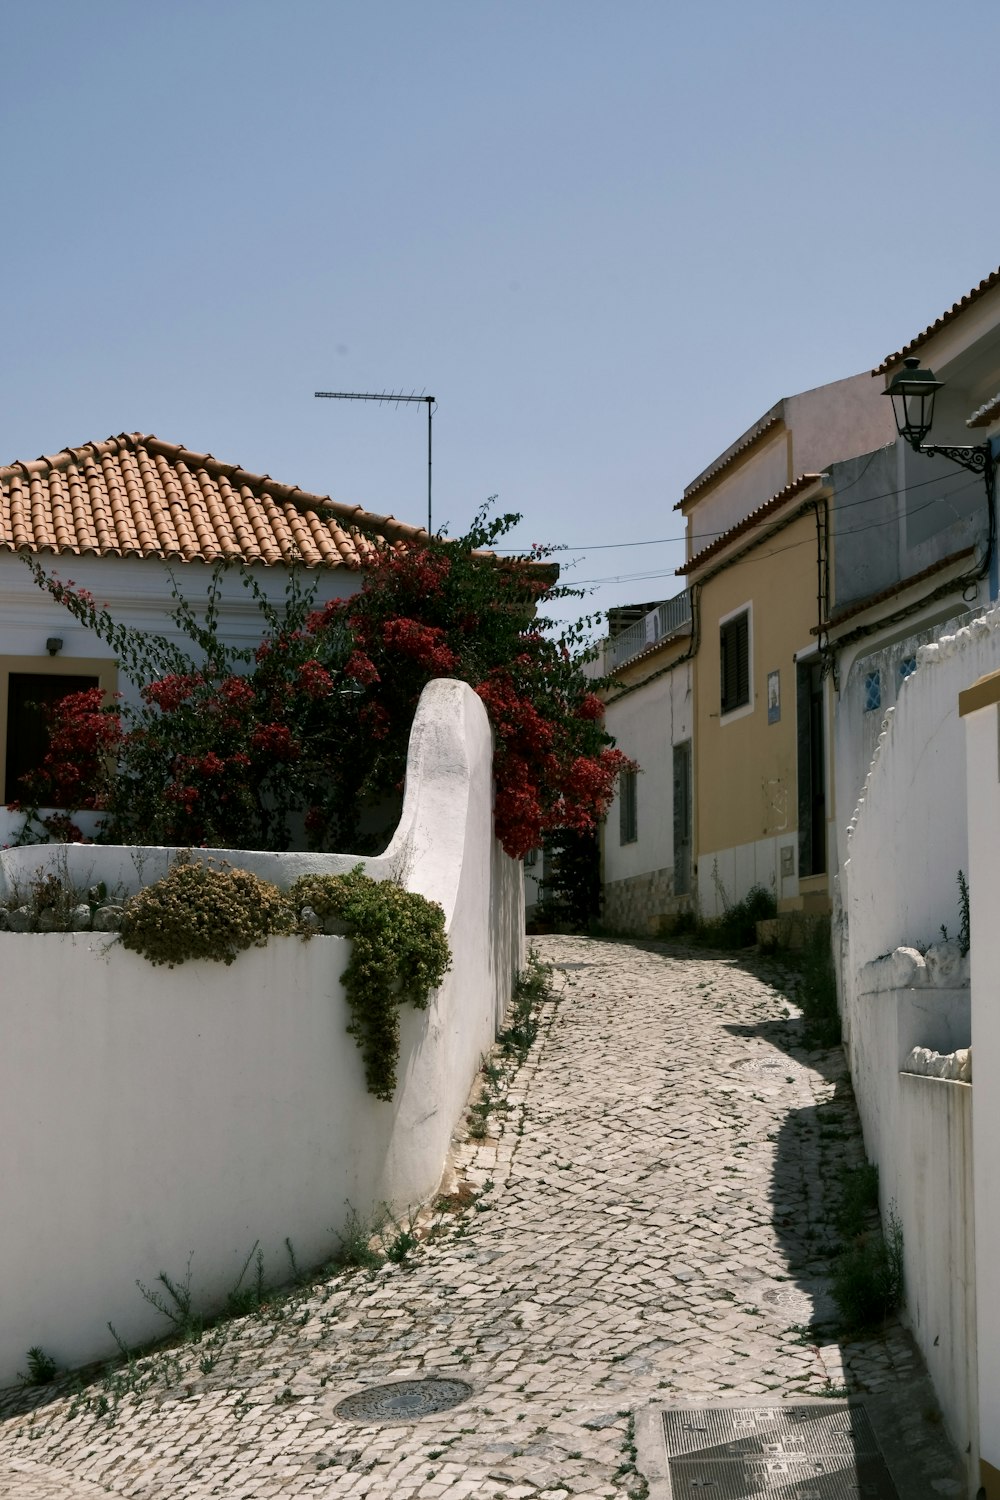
x,y
907,838
750,482
837,421
856,730
147,1113
915,826
830,423
735,870
137,591
647,723
982,737
919,1132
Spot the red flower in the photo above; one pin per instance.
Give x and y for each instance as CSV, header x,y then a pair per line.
x,y
314,679
426,644
276,740
361,668
237,692
590,707
170,692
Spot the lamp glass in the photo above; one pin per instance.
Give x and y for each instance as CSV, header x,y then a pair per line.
x,y
913,391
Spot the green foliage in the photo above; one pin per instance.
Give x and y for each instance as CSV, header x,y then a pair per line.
x,y
401,1242
250,1296
399,953
868,1277
199,911
532,988
858,1200
175,1302
571,891
736,928
354,1243
964,924
42,1368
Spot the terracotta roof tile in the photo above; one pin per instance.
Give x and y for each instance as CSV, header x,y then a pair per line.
x,y
755,433
135,495
749,522
987,414
953,312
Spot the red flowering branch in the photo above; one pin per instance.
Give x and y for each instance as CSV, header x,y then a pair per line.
x,y
242,748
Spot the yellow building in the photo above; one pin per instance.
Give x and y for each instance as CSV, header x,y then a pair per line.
x,y
761,752
758,569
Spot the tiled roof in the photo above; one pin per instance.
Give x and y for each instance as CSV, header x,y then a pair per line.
x,y
749,522
137,496
987,414
860,605
946,317
731,454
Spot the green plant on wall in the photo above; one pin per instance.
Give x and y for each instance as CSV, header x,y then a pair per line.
x,y
201,911
399,953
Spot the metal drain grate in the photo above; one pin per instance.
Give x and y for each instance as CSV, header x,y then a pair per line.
x,y
760,1065
814,1452
402,1400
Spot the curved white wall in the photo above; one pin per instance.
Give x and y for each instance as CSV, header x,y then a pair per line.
x,y
148,1113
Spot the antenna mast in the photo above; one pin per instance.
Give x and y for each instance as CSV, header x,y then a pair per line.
x,y
392,398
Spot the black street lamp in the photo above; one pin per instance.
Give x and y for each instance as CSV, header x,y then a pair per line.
x,y
912,391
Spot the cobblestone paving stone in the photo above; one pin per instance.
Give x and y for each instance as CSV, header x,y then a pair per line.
x,y
643,1221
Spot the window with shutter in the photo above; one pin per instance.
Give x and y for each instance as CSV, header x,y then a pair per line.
x,y
734,645
628,820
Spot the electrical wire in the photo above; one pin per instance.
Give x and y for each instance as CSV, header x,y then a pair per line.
x,y
775,551
698,536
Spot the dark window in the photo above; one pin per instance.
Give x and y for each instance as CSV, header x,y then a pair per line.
x,y
682,819
27,730
734,643
812,768
628,825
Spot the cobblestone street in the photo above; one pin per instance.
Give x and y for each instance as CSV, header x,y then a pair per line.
x,y
642,1222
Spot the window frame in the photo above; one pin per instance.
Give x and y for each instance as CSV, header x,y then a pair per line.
x,y
872,691
104,668
727,625
628,808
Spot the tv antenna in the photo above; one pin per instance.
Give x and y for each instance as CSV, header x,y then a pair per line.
x,y
392,398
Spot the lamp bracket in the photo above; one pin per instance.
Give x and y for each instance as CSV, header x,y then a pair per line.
x,y
978,458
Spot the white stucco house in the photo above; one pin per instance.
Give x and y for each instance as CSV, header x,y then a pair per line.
x,y
646,839
129,518
913,644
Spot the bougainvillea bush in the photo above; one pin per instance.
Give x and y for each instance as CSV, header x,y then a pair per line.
x,y
248,749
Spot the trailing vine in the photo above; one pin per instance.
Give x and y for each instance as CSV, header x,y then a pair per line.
x,y
399,952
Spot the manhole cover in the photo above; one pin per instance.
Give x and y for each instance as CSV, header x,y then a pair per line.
x,y
815,1452
402,1400
576,964
759,1065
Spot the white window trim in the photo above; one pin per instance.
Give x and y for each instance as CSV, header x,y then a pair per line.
x,y
748,707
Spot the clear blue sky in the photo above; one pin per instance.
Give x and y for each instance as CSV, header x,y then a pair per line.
x,y
606,236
